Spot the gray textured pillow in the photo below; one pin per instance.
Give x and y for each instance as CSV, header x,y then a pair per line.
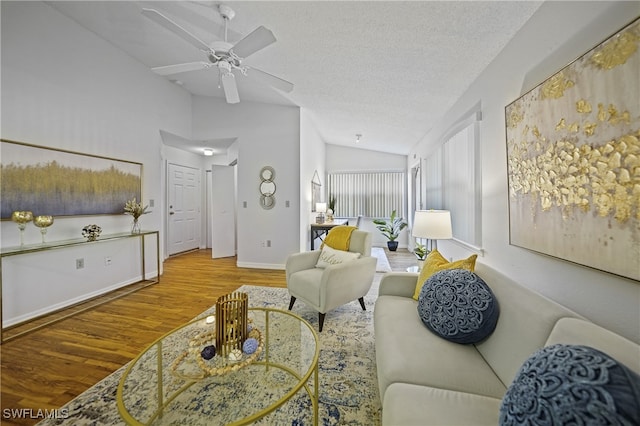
x,y
459,306
570,384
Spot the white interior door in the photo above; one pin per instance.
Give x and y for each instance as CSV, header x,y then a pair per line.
x,y
223,214
184,208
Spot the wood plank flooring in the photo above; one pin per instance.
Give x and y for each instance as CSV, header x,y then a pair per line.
x,y
47,368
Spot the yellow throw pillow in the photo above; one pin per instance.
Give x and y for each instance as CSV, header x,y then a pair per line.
x,y
435,262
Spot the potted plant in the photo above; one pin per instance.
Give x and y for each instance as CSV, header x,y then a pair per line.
x,y
421,253
391,229
331,207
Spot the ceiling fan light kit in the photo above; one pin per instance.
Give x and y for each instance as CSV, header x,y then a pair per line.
x,y
225,56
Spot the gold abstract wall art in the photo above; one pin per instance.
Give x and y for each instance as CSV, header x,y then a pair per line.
x,y
573,160
49,181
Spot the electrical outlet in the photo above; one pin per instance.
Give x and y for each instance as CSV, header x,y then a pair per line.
x,y
107,261
80,263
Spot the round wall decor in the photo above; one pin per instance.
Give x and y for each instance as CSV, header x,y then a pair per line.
x,y
267,187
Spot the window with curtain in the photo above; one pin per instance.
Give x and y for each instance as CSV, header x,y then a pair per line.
x,y
461,190
370,194
452,180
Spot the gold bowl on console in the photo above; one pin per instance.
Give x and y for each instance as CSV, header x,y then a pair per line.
x,y
21,217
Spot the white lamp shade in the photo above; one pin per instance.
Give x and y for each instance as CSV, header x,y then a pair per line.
x,y
321,207
432,224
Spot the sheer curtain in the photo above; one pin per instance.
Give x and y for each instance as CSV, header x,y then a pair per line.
x,y
453,181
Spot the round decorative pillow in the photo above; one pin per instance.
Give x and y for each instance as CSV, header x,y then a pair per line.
x,y
459,306
570,384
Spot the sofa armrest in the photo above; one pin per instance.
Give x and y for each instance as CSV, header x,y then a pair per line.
x,y
398,284
301,261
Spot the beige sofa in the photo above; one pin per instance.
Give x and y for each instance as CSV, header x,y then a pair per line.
x,y
426,380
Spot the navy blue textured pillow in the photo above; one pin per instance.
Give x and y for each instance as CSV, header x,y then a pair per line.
x,y
459,306
570,384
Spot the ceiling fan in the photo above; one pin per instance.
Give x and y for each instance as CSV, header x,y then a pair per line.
x,y
224,56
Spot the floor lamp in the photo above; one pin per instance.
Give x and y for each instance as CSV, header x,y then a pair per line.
x,y
432,225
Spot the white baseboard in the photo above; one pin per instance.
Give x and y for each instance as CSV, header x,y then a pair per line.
x,y
260,265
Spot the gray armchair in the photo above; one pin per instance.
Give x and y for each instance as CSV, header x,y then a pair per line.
x,y
326,289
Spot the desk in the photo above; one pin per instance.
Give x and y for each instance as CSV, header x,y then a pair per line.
x,y
319,229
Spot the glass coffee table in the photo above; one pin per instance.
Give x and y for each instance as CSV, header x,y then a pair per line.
x,y
167,384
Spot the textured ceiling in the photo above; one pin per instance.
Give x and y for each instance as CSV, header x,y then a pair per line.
x,y
385,69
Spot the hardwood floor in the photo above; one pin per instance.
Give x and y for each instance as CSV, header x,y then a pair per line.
x,y
46,368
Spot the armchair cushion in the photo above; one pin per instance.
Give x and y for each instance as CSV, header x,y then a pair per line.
x,y
330,256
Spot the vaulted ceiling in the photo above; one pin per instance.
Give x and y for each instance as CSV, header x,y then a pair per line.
x,y
387,70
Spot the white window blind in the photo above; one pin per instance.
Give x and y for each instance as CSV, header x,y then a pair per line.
x,y
370,194
433,180
453,181
459,183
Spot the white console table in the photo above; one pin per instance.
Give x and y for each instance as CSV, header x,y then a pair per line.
x,y
55,245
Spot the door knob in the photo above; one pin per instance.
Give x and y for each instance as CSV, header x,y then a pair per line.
x,y
170,213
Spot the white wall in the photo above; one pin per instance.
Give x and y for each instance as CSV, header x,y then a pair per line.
x,y
344,158
267,135
312,160
560,31
64,87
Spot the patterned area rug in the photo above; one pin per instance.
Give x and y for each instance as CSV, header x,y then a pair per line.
x,y
383,262
347,371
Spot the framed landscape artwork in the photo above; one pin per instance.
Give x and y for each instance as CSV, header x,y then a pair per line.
x,y
54,182
573,157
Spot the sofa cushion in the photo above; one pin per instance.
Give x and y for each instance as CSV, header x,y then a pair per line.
x,y
410,405
576,331
435,262
458,306
517,335
572,384
330,256
407,352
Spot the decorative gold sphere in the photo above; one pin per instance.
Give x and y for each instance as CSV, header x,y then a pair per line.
x,y
21,216
43,221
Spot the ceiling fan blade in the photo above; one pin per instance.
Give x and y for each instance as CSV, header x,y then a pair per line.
x,y
258,39
270,79
159,18
230,88
178,68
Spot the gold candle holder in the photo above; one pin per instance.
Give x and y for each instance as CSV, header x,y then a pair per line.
x,y
43,222
22,218
231,322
